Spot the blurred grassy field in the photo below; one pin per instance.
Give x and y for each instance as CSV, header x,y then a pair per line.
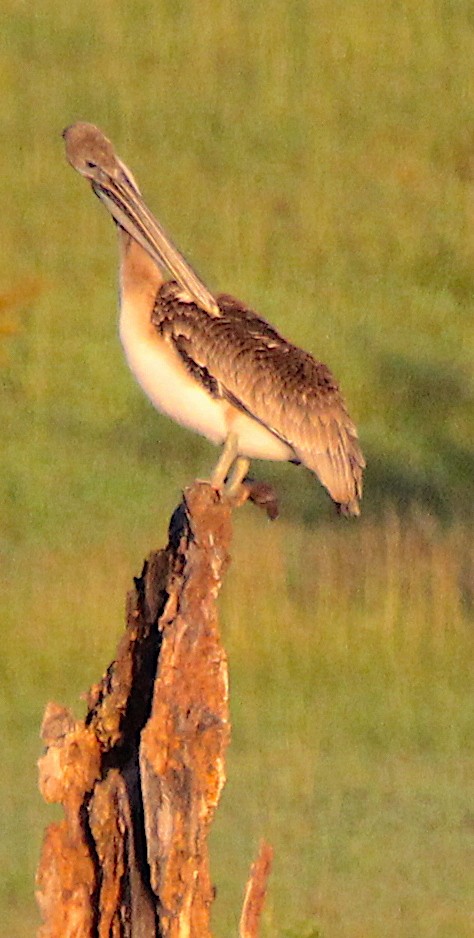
x,y
317,160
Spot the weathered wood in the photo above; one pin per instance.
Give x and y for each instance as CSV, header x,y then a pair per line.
x,y
140,777
255,893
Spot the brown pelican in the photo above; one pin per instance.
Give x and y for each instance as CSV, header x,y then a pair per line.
x,y
209,362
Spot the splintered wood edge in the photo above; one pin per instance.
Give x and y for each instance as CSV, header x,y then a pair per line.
x,y
255,892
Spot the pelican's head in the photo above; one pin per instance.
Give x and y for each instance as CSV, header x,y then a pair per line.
x,y
90,153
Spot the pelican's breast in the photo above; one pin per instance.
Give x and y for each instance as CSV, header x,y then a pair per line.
x,y
165,380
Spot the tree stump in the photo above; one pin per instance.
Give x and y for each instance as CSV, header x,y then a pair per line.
x,y
140,777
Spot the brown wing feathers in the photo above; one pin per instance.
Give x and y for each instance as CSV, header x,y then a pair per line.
x,y
241,357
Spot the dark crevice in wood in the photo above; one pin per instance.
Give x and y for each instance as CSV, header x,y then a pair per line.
x,y
89,839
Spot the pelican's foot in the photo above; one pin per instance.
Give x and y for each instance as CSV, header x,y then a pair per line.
x,y
264,495
230,480
261,494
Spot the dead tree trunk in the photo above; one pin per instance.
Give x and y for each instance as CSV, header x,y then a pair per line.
x,y
140,778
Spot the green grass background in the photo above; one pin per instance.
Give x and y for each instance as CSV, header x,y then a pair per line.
x,y
317,160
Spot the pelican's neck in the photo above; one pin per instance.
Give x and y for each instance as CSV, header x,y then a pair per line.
x,y
140,278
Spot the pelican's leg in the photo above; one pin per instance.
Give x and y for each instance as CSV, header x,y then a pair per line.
x,y
239,471
227,457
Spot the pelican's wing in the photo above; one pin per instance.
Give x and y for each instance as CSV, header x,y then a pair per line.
x,y
241,357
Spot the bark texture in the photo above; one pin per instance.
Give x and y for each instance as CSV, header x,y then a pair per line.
x,y
140,777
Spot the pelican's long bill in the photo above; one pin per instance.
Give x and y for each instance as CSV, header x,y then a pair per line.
x,y
92,155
